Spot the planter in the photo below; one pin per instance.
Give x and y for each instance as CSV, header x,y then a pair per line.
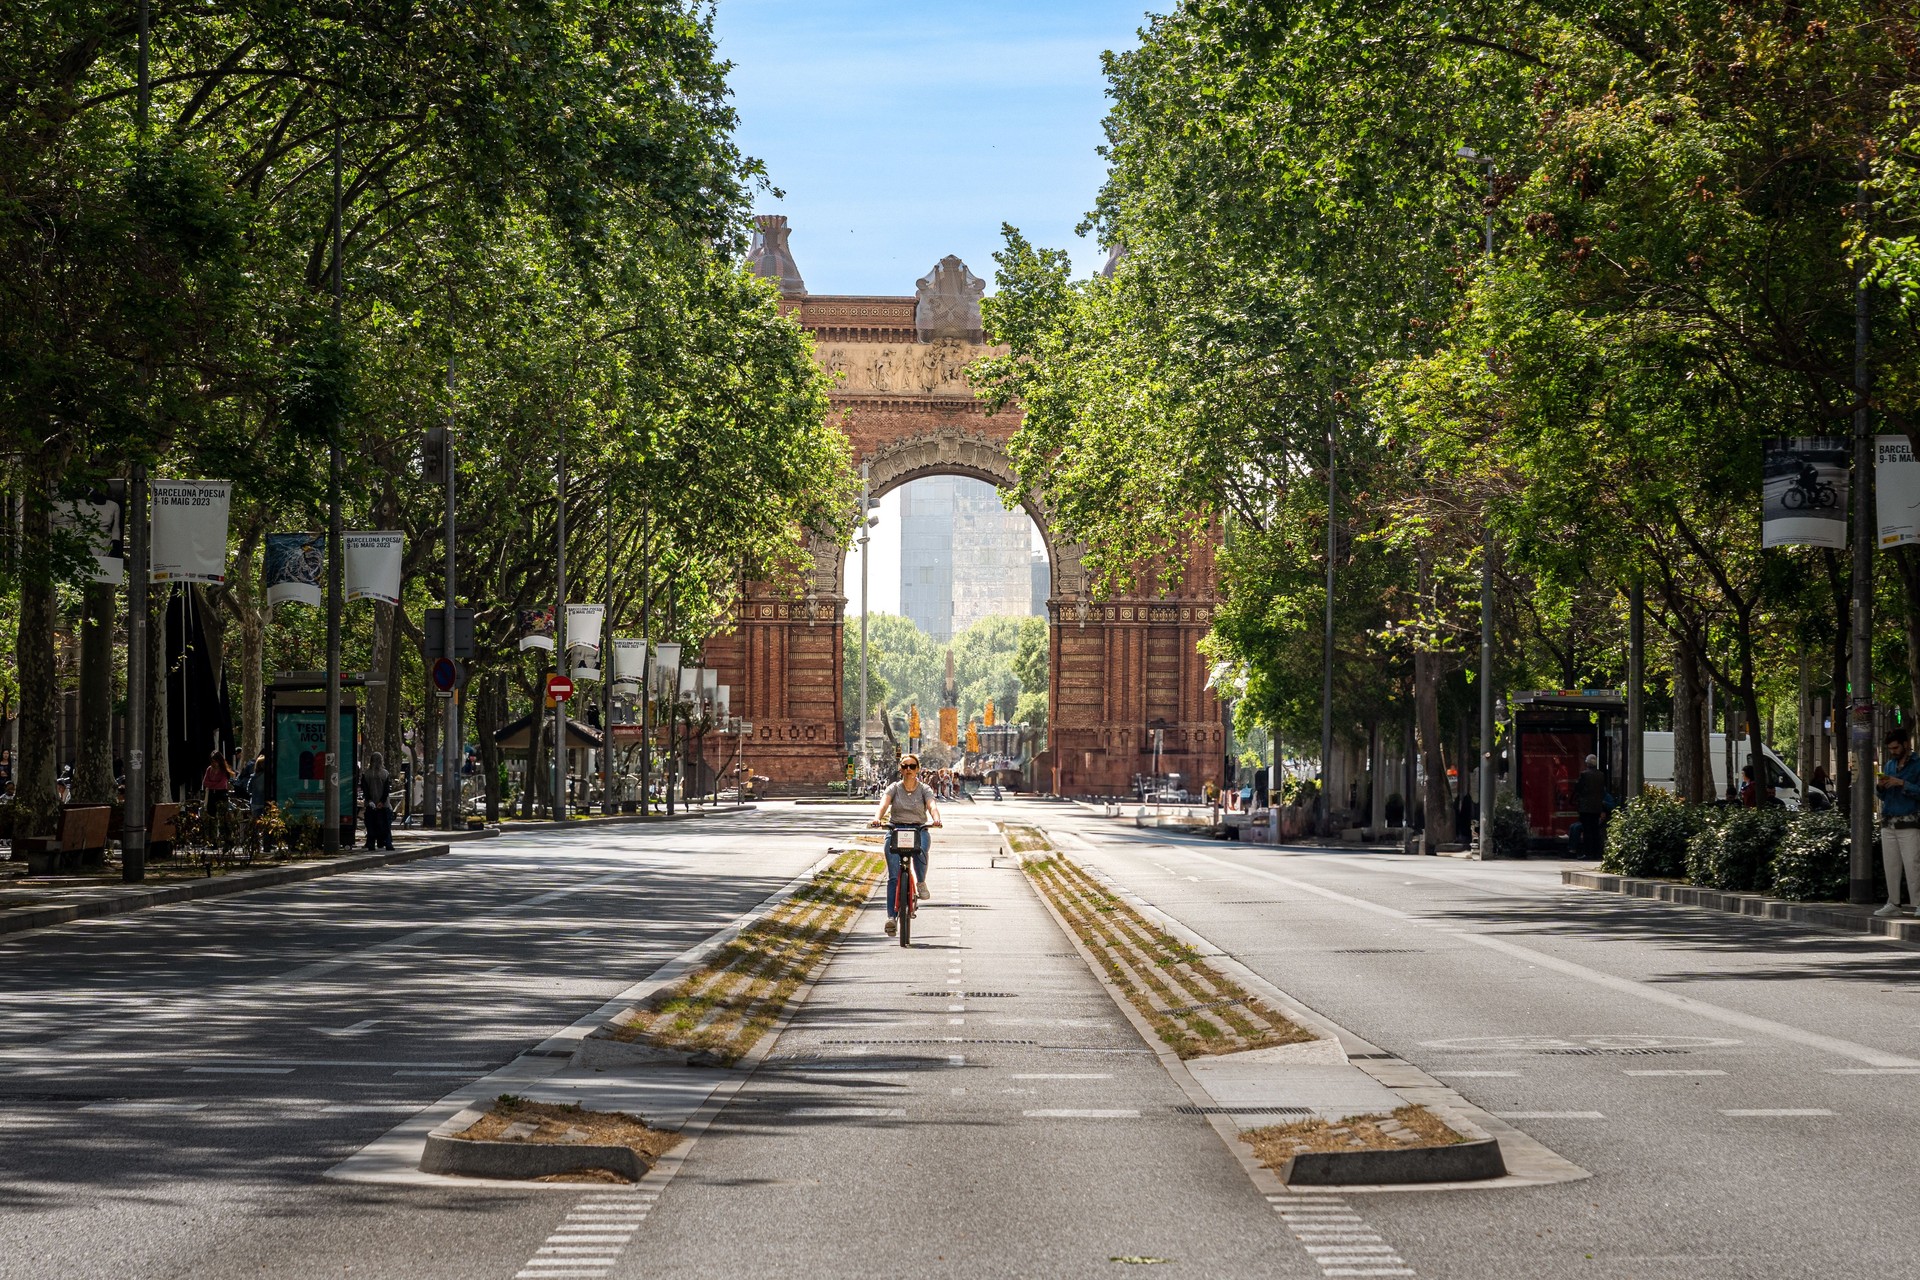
x,y
1461,1162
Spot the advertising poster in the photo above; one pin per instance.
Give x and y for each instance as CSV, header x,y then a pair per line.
x,y
629,660
1804,488
293,566
300,758
372,564
190,530
536,629
98,524
583,626
1896,484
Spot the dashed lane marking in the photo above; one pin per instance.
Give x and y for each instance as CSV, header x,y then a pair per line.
x,y
590,1241
1675,1073
239,1071
1550,1115
1769,1112
1065,1075
1337,1239
1082,1113
1477,1075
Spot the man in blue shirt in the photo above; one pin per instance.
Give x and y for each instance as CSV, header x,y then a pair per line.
x,y
1899,788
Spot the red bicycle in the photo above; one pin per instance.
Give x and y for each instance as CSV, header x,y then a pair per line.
x,y
903,841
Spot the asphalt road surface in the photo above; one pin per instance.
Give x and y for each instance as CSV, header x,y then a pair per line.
x,y
174,1084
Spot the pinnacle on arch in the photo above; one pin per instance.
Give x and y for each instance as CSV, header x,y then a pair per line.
x,y
770,258
948,305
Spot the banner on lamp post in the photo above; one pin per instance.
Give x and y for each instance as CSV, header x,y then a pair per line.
x,y
189,542
98,525
372,563
583,626
629,660
666,662
294,562
536,629
1804,492
1896,484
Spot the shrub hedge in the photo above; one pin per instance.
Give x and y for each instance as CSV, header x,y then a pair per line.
x,y
1811,862
1648,836
1733,850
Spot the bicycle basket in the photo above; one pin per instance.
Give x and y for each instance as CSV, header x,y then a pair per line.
x,y
905,840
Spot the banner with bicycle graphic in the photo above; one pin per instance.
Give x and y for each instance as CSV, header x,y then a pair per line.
x,y
1805,492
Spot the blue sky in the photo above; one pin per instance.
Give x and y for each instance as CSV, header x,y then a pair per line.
x,y
904,131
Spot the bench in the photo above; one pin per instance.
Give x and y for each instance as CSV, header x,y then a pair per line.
x,y
80,846
163,827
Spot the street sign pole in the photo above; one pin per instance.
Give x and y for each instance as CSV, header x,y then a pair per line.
x,y
560,641
450,808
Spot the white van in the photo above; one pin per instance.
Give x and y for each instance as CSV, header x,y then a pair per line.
x,y
1659,767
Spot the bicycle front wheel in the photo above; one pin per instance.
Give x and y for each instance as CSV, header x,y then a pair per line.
x,y
903,903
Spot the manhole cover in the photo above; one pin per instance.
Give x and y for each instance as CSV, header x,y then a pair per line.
x,y
1567,1044
970,995
935,1041
1291,1113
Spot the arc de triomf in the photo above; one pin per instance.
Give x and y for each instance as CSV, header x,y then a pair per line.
x,y
1120,667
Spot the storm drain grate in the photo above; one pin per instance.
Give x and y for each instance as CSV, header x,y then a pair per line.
x,y
1607,1053
971,995
954,1040
1291,1113
1378,951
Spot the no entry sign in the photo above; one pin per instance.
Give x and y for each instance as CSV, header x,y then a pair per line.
x,y
559,688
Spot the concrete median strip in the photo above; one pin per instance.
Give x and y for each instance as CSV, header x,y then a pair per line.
x,y
1319,1070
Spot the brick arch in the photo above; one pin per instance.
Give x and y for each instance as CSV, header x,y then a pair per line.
x,y
1118,666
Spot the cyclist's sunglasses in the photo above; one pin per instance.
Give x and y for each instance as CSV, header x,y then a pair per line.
x,y
905,767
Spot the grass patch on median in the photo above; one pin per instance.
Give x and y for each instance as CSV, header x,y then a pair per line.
x,y
723,1007
1195,1009
1406,1128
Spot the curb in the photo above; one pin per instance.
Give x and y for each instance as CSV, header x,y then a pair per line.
x,y
120,902
1839,916
1462,1162
465,1158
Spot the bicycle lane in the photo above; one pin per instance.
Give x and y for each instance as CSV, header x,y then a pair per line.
x,y
973,1105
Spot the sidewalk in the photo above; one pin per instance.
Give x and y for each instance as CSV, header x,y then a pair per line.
x,y
974,1105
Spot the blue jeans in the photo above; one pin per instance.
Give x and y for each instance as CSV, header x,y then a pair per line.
x,y
923,841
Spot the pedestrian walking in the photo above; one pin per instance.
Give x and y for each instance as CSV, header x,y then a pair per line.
x,y
1749,793
376,789
215,783
1899,788
1590,801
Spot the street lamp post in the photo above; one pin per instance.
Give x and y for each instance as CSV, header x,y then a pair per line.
x,y
1486,591
866,523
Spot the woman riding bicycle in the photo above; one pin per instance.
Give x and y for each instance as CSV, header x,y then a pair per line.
x,y
908,803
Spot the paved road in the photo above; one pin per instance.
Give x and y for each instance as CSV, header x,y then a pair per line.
x,y
174,1083
1743,1092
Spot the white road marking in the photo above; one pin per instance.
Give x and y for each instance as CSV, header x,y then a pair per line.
x,y
1777,1111
1319,1223
1550,1115
1675,1073
433,1075
357,1029
239,1071
847,1113
370,1108
956,1008
138,1108
1873,1071
1672,1000
1064,1075
1478,1075
956,1022
1070,1113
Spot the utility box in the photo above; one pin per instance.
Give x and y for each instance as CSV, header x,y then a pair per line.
x,y
434,624
1554,731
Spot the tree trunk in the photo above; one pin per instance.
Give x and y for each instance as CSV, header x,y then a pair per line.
x,y
93,770
1841,588
36,802
1426,702
488,716
251,615
159,775
1689,760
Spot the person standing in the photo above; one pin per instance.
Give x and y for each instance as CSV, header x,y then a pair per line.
x,y
1590,800
376,790
1899,788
